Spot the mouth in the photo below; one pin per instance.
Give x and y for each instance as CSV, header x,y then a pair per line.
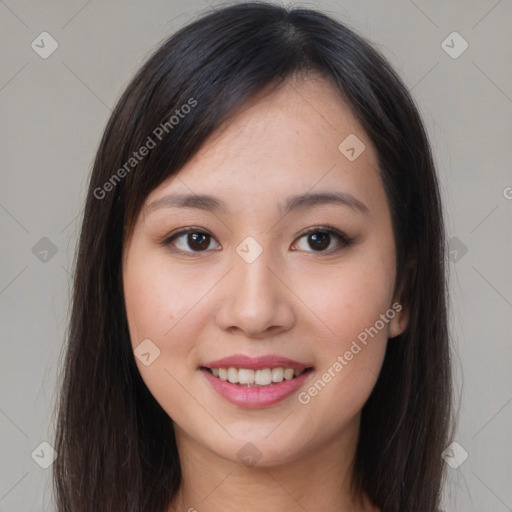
x,y
256,378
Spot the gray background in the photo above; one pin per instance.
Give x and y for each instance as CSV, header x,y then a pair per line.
x,y
54,110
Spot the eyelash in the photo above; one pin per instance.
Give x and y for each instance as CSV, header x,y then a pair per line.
x,y
341,237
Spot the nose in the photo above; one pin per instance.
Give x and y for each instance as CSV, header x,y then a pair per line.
x,y
256,301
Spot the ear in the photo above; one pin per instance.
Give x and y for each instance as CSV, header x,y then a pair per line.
x,y
400,321
401,305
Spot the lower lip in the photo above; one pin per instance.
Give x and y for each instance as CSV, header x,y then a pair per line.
x,y
255,397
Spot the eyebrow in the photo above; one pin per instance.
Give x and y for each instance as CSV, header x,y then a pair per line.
x,y
293,203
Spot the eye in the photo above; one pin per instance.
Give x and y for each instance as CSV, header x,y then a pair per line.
x,y
320,238
193,238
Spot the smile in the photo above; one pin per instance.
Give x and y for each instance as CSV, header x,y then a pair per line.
x,y
255,378
250,394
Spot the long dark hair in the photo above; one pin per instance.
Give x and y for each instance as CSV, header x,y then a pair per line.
x,y
116,446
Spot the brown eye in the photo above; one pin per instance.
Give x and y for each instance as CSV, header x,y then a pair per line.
x,y
190,240
320,238
319,241
198,241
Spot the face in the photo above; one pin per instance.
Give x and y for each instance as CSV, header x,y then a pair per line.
x,y
269,275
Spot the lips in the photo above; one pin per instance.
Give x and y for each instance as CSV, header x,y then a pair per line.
x,y
255,396
256,363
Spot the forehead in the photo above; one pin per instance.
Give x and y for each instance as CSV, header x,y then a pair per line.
x,y
289,140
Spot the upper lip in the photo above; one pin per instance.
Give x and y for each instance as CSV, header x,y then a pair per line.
x,y
257,363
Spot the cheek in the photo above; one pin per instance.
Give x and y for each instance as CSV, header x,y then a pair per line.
x,y
351,298
160,307
349,364
156,301
354,336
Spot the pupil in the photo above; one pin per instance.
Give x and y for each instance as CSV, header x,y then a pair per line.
x,y
323,237
195,236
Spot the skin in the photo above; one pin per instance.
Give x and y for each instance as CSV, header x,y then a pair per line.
x,y
309,305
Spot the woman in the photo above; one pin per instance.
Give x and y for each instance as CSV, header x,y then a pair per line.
x,y
259,313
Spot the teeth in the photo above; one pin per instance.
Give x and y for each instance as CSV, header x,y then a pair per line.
x,y
245,376
263,377
233,375
248,377
288,373
277,374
